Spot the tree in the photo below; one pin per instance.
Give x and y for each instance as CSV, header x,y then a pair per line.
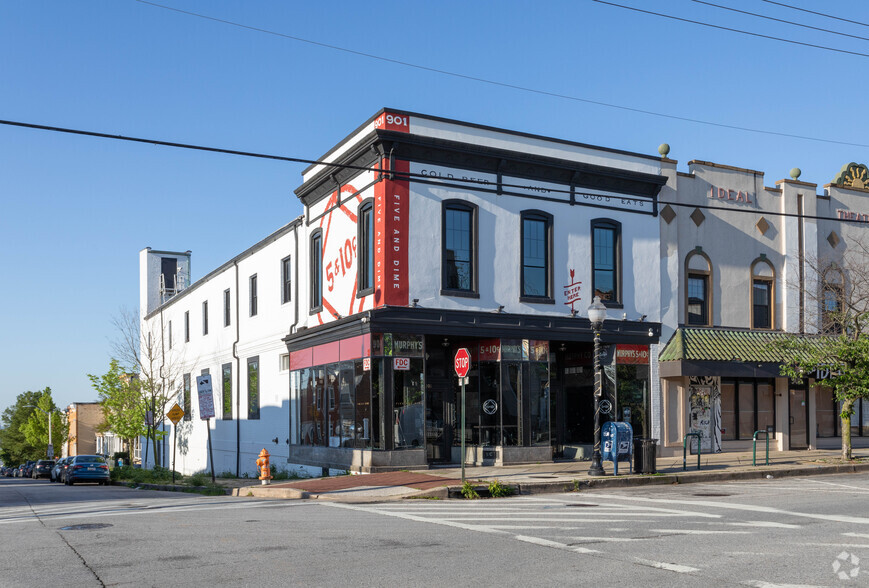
x,y
15,448
124,407
35,429
144,351
837,309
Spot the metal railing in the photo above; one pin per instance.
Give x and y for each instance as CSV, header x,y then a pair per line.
x,y
685,449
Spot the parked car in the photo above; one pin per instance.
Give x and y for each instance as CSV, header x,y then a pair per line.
x,y
42,469
87,468
19,471
56,474
28,468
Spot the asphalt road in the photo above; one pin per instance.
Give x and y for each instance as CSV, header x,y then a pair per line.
x,y
790,532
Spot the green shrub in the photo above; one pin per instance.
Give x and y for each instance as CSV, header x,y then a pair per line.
x,y
198,479
468,491
499,490
226,474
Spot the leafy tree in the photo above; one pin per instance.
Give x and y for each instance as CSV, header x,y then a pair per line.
x,y
837,309
122,403
35,429
14,446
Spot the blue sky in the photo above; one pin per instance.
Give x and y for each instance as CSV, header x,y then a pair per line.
x,y
77,210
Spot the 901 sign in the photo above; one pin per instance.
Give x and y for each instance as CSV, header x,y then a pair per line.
x,y
392,122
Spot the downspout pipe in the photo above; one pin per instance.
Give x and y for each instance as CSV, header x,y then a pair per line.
x,y
237,380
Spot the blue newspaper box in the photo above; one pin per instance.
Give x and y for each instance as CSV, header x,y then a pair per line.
x,y
616,444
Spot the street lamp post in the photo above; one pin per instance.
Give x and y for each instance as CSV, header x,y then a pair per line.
x,y
597,315
48,413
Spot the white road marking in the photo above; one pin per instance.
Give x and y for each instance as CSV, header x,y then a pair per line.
x,y
410,517
860,488
667,566
765,524
699,532
742,507
861,535
762,584
555,544
608,539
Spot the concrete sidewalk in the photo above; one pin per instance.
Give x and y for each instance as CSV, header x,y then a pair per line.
x,y
563,476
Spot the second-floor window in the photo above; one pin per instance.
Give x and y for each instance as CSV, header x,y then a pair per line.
x,y
205,317
286,280
698,300
226,308
459,248
762,294
316,271
606,260
186,326
365,247
253,295
536,251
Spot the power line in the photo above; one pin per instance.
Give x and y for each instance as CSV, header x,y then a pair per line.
x,y
856,22
508,85
790,22
732,30
409,176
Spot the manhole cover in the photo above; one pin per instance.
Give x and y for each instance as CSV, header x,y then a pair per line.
x,y
711,494
580,505
86,527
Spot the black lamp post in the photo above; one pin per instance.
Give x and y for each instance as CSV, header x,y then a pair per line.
x,y
597,315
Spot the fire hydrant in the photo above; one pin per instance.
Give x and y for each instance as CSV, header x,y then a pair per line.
x,y
265,472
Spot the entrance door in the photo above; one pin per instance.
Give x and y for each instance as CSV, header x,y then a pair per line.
x,y
798,411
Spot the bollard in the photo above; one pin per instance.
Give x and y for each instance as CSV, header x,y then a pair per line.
x,y
685,449
754,448
265,472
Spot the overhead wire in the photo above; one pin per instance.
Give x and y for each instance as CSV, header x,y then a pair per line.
x,y
517,87
790,22
731,29
414,177
856,22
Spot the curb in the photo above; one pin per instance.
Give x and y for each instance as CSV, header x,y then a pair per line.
x,y
165,487
649,480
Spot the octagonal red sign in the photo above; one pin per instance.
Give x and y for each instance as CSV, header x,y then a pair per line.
x,y
463,362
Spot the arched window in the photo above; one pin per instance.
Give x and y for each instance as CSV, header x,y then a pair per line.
x,y
762,294
698,293
606,260
832,300
536,255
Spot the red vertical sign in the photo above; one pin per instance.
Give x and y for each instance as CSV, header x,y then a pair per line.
x,y
391,224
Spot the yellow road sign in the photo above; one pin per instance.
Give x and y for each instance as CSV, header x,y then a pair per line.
x,y
175,414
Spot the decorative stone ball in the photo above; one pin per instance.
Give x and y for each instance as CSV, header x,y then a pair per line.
x,y
795,173
664,149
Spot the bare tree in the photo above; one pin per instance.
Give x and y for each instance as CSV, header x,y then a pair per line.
x,y
143,346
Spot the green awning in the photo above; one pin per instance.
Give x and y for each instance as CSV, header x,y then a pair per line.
x,y
699,344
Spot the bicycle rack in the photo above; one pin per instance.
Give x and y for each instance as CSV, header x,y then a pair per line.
x,y
685,449
754,447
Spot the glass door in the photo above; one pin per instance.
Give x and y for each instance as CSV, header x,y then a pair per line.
x,y
798,408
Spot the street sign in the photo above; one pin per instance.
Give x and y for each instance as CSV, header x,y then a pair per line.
x,y
50,451
206,400
462,362
175,414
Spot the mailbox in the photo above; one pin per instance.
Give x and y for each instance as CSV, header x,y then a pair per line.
x,y
616,441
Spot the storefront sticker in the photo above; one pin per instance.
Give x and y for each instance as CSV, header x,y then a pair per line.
x,y
572,291
490,406
401,364
366,364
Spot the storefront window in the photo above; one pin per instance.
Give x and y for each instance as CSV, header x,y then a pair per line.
x,y
408,407
311,428
539,402
746,410
728,411
486,407
632,383
746,406
765,406
826,412
362,419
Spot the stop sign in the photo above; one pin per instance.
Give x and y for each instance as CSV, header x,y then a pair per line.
x,y
463,362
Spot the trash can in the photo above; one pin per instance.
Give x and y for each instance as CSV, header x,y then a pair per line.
x,y
645,455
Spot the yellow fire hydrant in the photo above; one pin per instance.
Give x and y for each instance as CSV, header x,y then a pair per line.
x,y
265,472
